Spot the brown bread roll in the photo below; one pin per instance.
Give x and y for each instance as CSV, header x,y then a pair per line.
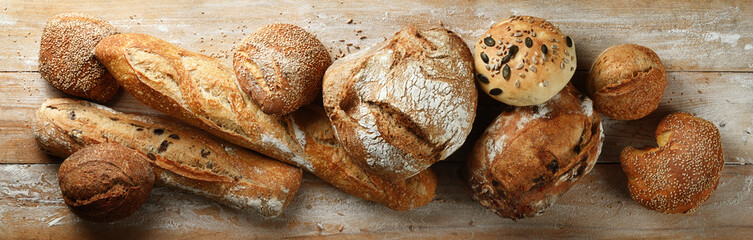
x,y
66,56
404,104
626,82
524,61
105,182
281,67
529,156
681,174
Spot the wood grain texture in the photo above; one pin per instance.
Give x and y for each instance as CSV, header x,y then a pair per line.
x,y
598,206
688,36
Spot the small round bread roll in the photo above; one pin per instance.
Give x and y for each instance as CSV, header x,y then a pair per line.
x,y
524,61
681,174
626,82
66,56
105,182
529,156
281,67
406,103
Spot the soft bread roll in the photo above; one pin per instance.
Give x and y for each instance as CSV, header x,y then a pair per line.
x,y
529,156
281,67
524,61
66,56
626,82
105,182
404,104
681,174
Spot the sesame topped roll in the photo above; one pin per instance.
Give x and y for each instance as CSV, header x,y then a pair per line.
x,y
524,61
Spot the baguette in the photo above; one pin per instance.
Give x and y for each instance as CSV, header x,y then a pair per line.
x,y
182,157
203,92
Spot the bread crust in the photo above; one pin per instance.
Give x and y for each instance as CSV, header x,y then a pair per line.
x,y
626,82
681,174
66,56
529,156
281,67
182,157
404,104
105,182
159,75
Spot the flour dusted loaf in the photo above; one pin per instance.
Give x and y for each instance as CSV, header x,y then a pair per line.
x,y
105,182
680,174
66,56
181,156
281,66
530,155
203,92
404,104
524,61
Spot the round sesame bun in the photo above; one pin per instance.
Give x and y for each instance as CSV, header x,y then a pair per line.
x,y
682,172
626,82
524,61
281,67
66,56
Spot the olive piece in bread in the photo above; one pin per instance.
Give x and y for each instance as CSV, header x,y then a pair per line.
x,y
626,82
66,56
524,61
680,174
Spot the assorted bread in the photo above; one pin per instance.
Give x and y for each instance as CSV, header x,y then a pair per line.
x,y
105,182
680,174
66,56
404,104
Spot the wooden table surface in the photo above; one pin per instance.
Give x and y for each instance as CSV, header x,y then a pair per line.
x,y
707,47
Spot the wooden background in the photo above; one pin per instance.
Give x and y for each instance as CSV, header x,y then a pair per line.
x,y
707,47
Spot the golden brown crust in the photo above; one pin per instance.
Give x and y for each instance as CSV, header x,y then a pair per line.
x,y
66,56
530,155
626,82
182,156
105,182
524,61
281,67
157,74
681,174
404,104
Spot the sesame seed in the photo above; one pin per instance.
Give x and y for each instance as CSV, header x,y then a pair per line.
x,y
533,68
534,60
521,75
518,34
554,46
517,84
533,34
519,66
518,40
562,65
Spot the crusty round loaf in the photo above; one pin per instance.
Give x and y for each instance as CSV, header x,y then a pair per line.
x,y
681,174
281,67
105,182
404,104
524,61
626,82
66,56
529,156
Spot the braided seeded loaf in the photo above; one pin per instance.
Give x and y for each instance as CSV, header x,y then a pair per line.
x,y
205,93
182,157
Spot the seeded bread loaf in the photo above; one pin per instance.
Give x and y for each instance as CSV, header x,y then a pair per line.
x,y
529,156
524,61
404,104
66,56
181,156
203,92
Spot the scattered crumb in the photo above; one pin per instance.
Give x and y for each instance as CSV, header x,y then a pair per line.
x,y
341,214
340,229
410,228
472,223
350,21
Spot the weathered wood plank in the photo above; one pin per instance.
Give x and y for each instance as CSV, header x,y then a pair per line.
x,y
688,36
599,206
723,98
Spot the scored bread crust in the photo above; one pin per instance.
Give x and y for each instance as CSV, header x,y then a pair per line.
x,y
281,66
203,92
182,157
529,156
681,174
404,104
66,56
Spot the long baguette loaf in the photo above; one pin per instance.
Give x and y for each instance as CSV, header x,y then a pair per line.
x,y
182,157
203,92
